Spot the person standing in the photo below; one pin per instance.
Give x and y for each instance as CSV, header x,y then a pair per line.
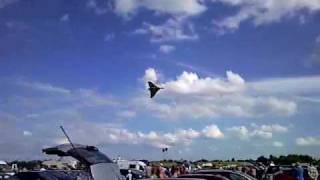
x,y
299,172
148,171
129,175
253,172
153,173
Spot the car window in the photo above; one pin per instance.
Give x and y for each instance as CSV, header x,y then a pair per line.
x,y
141,168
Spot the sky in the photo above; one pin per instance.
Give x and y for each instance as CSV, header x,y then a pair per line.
x,y
241,78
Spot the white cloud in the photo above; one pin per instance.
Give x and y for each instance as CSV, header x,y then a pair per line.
x,y
291,86
190,96
32,115
191,83
108,134
192,67
150,75
4,3
212,131
91,98
162,140
318,39
125,7
180,136
239,131
263,131
274,128
262,134
277,144
17,142
314,59
71,107
308,141
174,29
166,49
108,37
27,133
44,87
127,114
74,98
98,9
277,106
173,7
65,18
264,12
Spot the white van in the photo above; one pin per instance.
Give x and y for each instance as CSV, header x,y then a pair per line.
x,y
134,165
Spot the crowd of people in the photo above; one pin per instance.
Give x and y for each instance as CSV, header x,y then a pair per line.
x,y
158,171
270,172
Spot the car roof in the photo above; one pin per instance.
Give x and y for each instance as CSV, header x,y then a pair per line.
x,y
223,171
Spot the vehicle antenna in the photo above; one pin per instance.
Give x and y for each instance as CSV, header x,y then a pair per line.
x,y
64,132
72,145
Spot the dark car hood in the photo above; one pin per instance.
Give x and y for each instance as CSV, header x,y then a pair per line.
x,y
86,154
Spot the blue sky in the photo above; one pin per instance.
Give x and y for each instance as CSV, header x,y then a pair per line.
x,y
241,77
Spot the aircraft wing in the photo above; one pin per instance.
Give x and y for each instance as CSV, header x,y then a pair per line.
x,y
151,85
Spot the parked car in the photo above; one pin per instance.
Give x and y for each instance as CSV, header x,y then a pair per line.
x,y
5,170
100,166
232,175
